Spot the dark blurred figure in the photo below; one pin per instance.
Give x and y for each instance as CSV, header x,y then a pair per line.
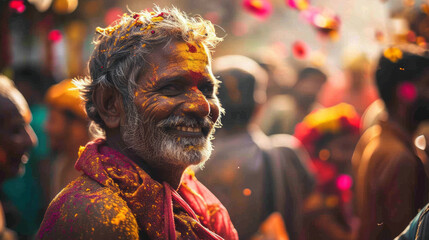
x,y
285,111
418,229
254,176
16,139
391,184
330,136
67,128
28,192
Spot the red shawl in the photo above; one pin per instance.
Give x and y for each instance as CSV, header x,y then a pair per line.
x,y
192,212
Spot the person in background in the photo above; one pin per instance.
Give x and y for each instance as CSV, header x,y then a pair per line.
x,y
28,193
418,229
16,140
287,110
67,128
391,184
330,136
354,85
259,179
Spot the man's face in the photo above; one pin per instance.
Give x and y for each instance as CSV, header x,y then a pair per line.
x,y
341,150
175,107
16,139
307,89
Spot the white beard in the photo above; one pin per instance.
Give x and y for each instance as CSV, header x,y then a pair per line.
x,y
157,148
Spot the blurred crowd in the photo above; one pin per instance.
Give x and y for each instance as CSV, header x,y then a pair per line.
x,y
310,160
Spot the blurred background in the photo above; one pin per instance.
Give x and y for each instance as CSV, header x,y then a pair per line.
x,y
56,35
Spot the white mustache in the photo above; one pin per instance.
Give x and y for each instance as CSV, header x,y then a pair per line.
x,y
174,121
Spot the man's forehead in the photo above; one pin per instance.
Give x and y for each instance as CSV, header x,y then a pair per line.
x,y
189,50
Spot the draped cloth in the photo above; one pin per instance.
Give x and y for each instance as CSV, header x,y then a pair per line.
x,y
161,212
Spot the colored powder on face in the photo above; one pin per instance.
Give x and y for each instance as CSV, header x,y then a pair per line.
x,y
407,92
344,182
196,77
196,62
192,48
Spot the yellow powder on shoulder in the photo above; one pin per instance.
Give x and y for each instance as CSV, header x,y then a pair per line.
x,y
119,218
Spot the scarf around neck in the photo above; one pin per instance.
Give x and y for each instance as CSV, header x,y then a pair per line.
x,y
161,212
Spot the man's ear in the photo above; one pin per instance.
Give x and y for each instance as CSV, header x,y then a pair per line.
x,y
108,103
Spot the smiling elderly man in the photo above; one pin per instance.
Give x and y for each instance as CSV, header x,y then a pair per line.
x,y
152,92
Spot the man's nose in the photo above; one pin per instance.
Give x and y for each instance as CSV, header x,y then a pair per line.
x,y
196,104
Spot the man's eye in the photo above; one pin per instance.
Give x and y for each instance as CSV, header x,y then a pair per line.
x,y
207,89
171,90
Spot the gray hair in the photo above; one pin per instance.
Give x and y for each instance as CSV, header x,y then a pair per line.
x,y
120,50
8,90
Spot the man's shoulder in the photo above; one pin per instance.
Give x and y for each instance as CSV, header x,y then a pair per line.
x,y
87,210
379,143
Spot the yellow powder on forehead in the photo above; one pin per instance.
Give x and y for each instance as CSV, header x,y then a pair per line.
x,y
195,53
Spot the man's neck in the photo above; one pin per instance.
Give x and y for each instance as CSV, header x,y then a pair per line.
x,y
171,175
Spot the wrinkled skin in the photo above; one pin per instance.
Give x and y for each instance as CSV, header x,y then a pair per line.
x,y
178,91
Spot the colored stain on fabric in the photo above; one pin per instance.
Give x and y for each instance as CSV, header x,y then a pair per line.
x,y
134,199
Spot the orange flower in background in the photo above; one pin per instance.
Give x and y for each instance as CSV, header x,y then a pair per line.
x,y
332,120
65,95
393,54
260,8
421,41
298,4
325,21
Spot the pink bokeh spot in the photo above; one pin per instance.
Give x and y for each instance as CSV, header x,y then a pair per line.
x,y
292,3
298,4
260,8
212,17
55,35
300,49
112,15
344,182
407,92
17,5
